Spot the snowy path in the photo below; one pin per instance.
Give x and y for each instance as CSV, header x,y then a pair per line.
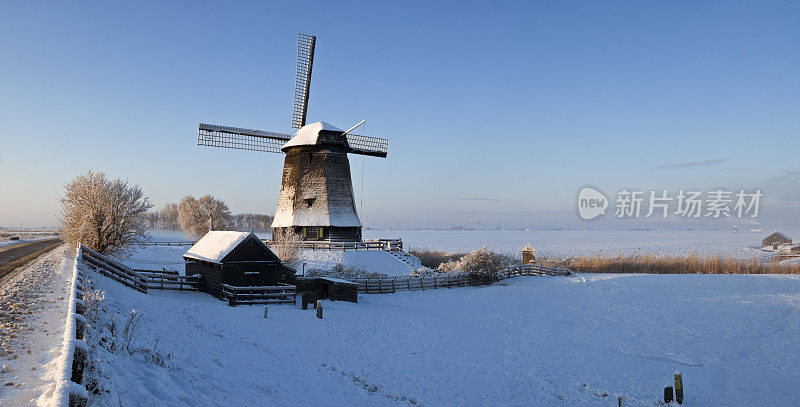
x,y
581,340
32,310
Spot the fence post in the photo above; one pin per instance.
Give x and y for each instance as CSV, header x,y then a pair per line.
x,y
394,280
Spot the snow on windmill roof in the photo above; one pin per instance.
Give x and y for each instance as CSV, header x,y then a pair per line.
x,y
308,135
215,245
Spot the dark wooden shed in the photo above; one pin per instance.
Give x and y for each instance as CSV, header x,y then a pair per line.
x,y
235,258
776,237
328,288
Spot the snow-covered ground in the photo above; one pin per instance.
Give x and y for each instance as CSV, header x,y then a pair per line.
x,y
580,340
33,307
170,258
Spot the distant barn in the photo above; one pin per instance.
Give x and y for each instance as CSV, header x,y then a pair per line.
x,y
235,258
774,238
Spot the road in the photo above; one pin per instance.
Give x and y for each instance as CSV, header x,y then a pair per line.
x,y
14,256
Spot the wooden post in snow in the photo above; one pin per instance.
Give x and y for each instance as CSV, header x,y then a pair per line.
x,y
678,388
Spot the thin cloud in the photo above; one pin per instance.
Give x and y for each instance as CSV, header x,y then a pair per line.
x,y
479,199
704,163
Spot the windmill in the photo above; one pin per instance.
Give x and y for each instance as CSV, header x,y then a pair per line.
x,y
316,196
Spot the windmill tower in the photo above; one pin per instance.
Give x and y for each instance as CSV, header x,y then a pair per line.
x,y
316,197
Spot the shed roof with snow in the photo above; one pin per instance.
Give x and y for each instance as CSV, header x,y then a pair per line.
x,y
216,245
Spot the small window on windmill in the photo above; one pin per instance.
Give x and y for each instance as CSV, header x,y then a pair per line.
x,y
311,233
310,157
310,201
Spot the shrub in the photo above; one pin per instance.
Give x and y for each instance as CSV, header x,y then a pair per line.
x,y
480,264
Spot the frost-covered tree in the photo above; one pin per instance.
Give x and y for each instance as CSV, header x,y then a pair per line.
x,y
198,216
284,245
103,214
168,217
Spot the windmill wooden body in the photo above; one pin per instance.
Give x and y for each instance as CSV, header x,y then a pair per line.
x,y
316,196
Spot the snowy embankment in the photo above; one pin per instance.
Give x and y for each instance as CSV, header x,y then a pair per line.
x,y
379,261
376,261
580,340
33,311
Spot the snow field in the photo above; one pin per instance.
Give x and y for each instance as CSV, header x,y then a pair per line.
x,y
572,341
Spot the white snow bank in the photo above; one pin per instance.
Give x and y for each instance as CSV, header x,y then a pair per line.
x,y
377,261
61,367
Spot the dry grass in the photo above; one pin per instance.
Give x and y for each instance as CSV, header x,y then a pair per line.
x,y
655,264
433,258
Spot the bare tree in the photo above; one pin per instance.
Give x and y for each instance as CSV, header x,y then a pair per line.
x,y
284,245
198,216
105,215
169,217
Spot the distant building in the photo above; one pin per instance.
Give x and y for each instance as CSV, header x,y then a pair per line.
x,y
528,254
776,238
235,258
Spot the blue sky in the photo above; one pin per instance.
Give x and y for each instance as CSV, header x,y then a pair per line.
x,y
516,104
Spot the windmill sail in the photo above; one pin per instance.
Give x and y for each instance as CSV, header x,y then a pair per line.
x,y
366,145
241,139
302,83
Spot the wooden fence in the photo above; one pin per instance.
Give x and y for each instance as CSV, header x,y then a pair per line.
x,y
167,281
113,269
370,244
282,294
167,243
393,284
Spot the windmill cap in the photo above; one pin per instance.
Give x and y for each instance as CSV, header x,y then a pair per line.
x,y
308,135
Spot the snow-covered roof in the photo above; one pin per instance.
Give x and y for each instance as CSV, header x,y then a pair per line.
x,y
337,280
215,245
308,135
